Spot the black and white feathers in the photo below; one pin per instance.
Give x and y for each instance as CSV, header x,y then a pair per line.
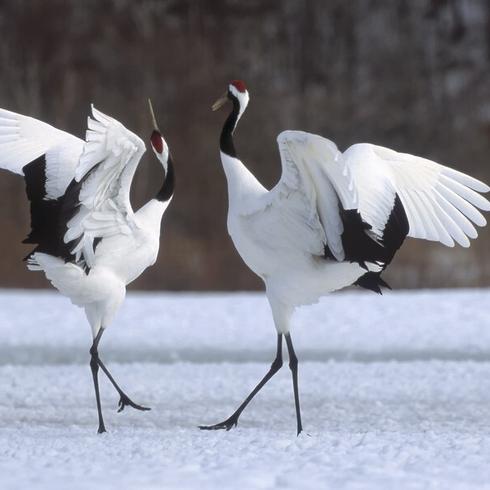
x,y
336,219
81,215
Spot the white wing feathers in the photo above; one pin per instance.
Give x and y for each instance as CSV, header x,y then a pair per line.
x,y
312,167
106,169
441,203
288,207
23,139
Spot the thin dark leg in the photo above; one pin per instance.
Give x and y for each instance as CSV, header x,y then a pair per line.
x,y
94,366
124,399
293,365
233,420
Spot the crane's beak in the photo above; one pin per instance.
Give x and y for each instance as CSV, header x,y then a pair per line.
x,y
220,102
155,125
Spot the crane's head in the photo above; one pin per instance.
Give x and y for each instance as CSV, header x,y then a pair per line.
x,y
237,93
158,144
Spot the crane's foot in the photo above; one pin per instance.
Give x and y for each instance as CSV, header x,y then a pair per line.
x,y
101,428
126,401
226,424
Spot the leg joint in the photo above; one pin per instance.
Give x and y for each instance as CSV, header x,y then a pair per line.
x,y
94,364
293,363
276,364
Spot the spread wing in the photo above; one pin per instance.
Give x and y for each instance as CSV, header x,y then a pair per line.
x,y
100,190
24,139
359,206
441,204
302,210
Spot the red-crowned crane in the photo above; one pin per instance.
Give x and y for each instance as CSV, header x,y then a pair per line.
x,y
334,219
88,240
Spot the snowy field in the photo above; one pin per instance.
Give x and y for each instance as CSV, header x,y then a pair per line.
x,y
395,394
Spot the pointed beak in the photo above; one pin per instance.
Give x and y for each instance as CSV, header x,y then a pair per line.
x,y
220,102
155,125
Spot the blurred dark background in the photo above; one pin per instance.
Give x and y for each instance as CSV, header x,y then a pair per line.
x,y
413,75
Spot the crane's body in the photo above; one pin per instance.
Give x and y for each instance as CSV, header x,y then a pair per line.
x,y
335,219
88,240
118,260
292,276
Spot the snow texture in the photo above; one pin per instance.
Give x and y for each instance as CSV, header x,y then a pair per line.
x,y
395,393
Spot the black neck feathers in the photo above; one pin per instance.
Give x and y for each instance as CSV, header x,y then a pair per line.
x,y
167,189
226,139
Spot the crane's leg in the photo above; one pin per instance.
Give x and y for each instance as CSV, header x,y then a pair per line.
x,y
94,366
124,399
233,420
293,365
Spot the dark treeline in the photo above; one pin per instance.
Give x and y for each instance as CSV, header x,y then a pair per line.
x,y
412,75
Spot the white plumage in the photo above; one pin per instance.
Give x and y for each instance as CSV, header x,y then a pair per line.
x,y
90,242
23,139
439,201
336,219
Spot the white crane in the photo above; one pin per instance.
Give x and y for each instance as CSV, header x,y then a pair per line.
x,y
334,219
89,241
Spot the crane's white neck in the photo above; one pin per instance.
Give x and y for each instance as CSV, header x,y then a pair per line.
x,y
150,215
243,187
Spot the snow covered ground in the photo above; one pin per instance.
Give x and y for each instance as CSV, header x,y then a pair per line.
x,y
395,394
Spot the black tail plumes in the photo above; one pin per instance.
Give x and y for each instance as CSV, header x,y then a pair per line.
x,y
373,282
360,247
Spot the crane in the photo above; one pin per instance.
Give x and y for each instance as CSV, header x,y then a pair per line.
x,y
334,220
89,242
